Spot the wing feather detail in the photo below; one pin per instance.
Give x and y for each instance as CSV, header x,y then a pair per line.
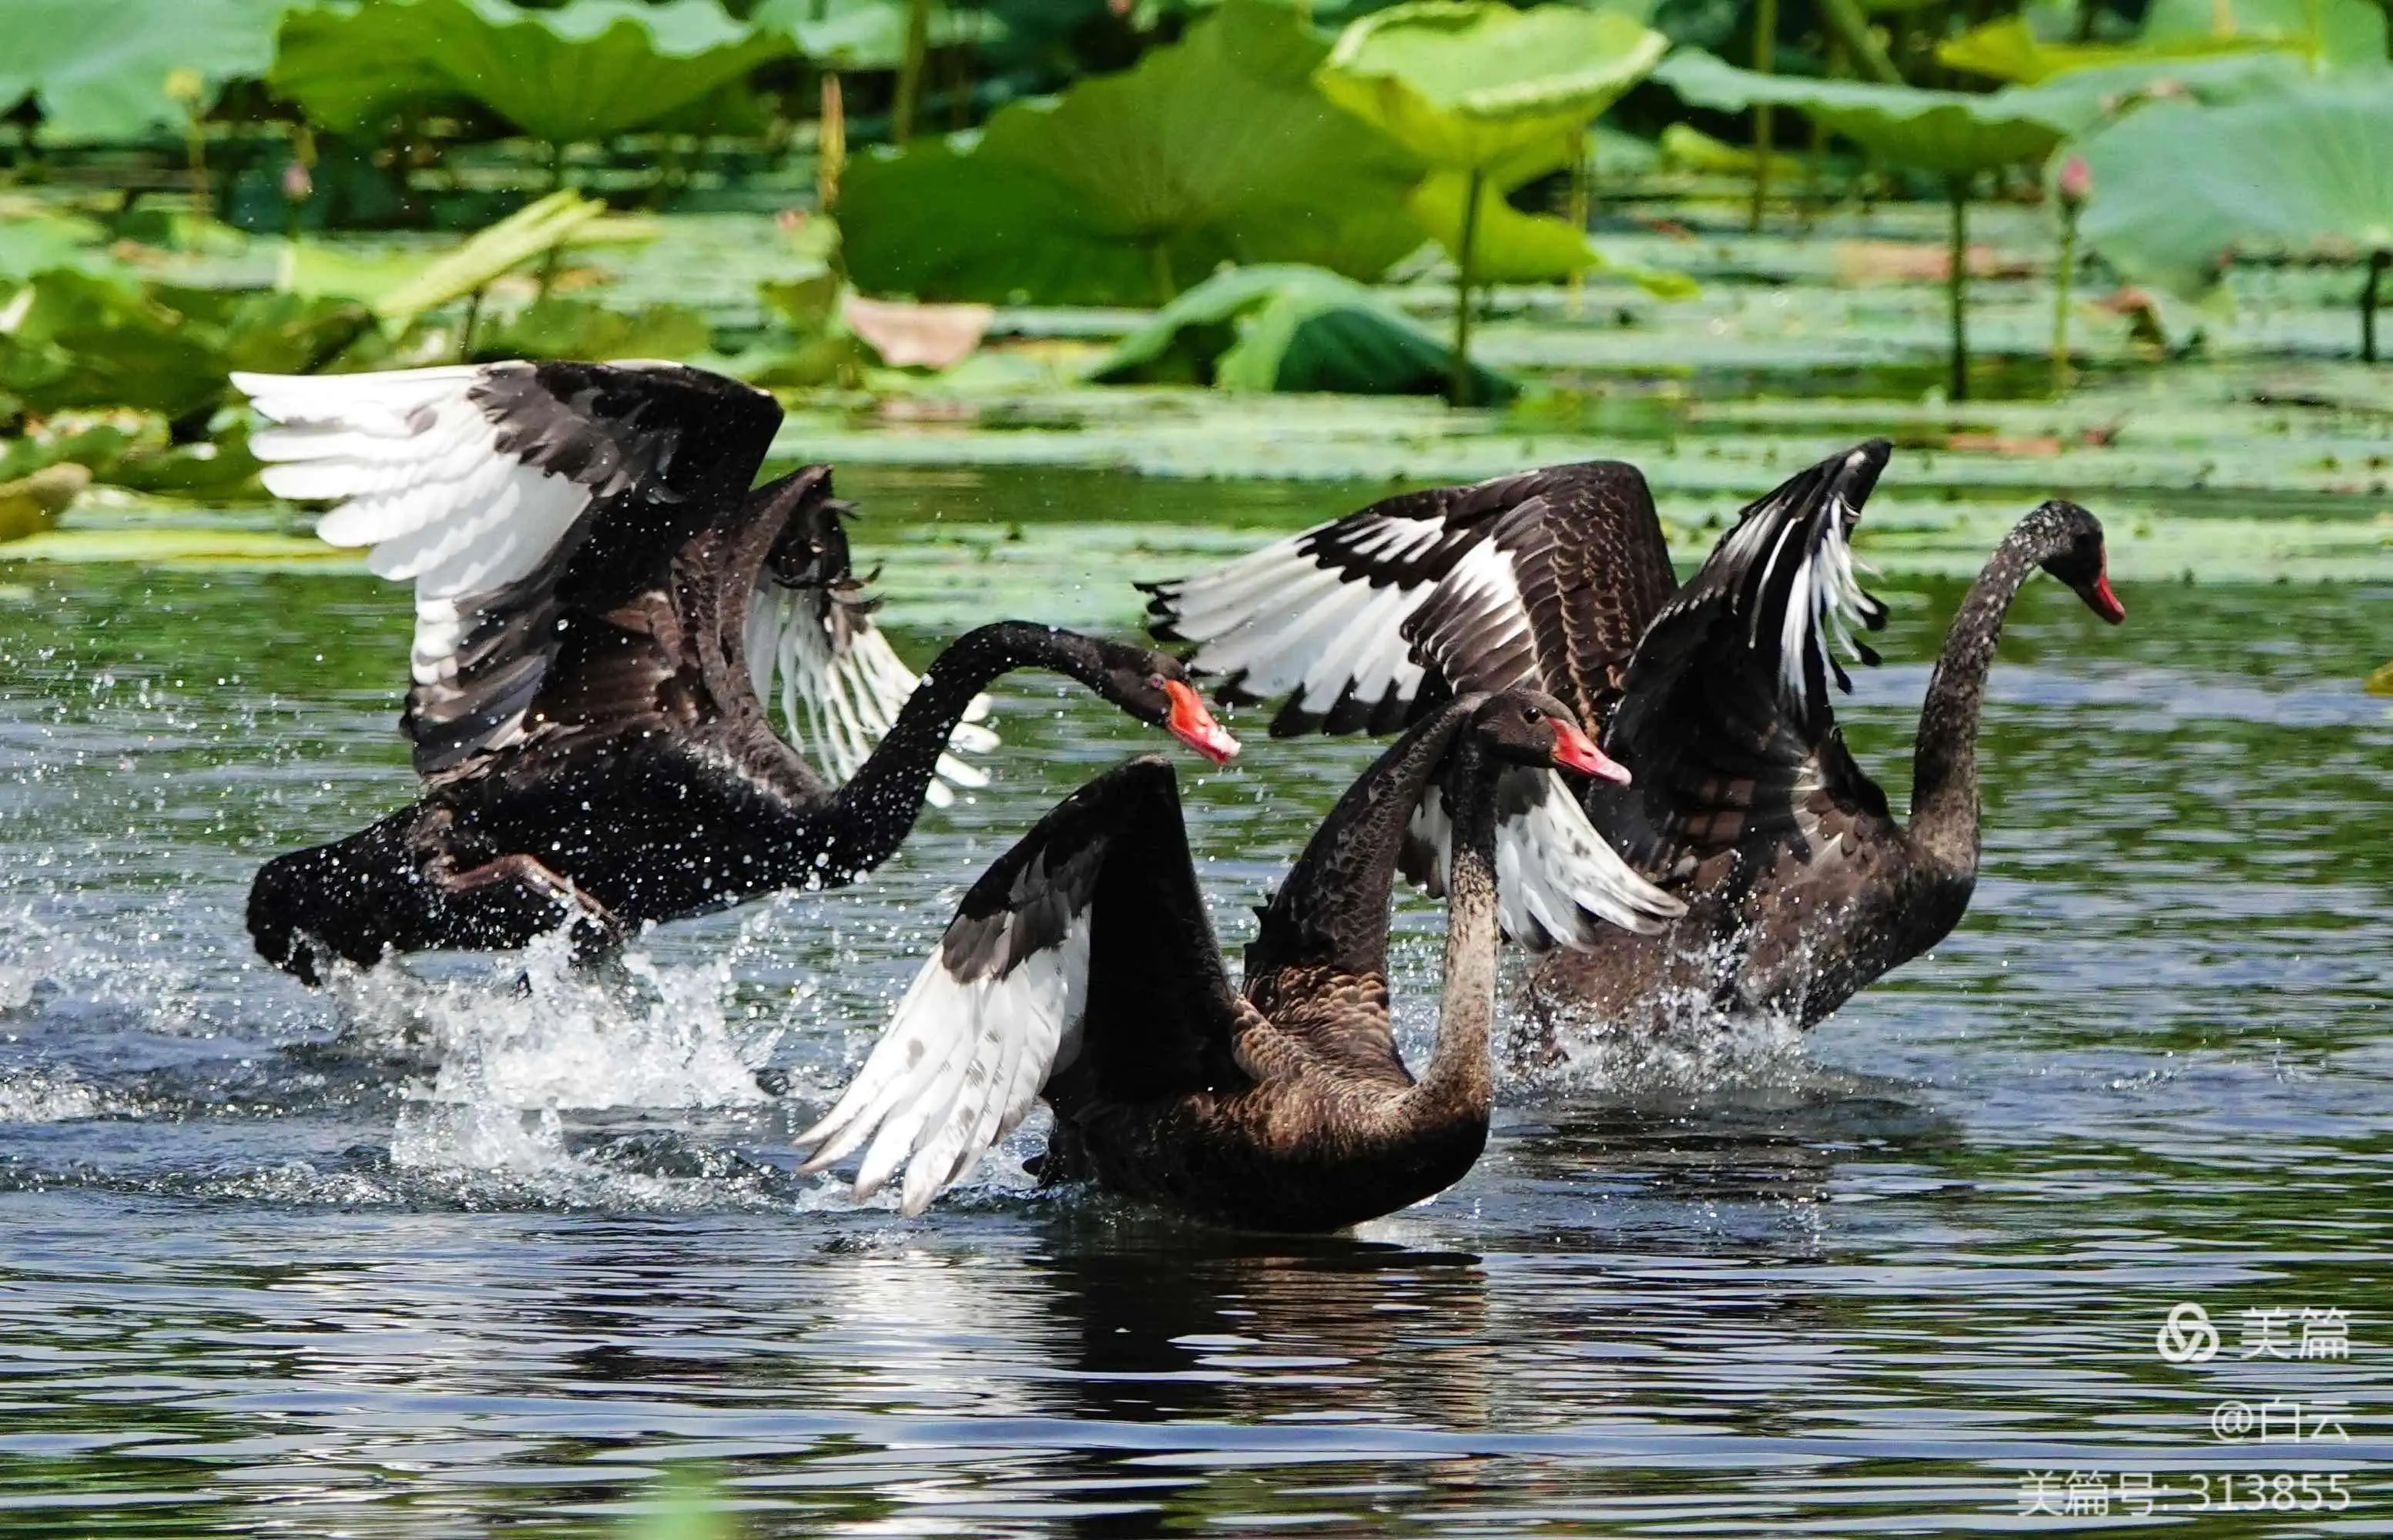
x,y
1558,884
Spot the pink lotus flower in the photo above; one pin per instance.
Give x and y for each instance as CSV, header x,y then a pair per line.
x,y
2076,182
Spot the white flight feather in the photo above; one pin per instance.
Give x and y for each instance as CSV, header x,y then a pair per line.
x,y
1556,877
421,484
956,1070
838,703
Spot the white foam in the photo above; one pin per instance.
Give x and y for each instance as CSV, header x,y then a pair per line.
x,y
41,1098
534,1033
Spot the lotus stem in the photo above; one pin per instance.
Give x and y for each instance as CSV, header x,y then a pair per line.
x,y
909,70
2377,262
2064,274
1582,208
1166,288
1457,390
1957,283
1765,62
1848,23
830,144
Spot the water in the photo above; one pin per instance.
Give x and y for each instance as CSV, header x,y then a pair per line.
x,y
480,1244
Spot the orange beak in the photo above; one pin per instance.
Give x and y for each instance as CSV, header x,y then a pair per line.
x,y
1193,725
1575,751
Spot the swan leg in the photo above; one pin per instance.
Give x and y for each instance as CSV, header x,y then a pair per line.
x,y
506,893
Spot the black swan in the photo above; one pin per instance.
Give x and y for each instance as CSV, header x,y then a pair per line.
x,y
1082,967
602,602
1801,886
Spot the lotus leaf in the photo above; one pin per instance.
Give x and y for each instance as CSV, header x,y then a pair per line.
x,y
1468,84
2338,31
99,69
2179,188
1513,247
2086,98
591,68
73,339
1288,328
1214,150
1946,133
33,503
33,238
554,328
2008,49
869,34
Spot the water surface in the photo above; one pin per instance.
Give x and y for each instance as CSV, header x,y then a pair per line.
x,y
472,1243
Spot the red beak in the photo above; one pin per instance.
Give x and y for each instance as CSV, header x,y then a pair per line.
x,y
1193,725
2106,604
1575,751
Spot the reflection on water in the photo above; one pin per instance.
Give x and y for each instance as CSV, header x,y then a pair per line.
x,y
489,1239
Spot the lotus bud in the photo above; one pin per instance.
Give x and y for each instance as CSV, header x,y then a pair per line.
x,y
2076,183
297,186
184,85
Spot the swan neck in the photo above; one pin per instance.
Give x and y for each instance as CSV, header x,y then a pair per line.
x,y
871,816
1944,762
1460,1082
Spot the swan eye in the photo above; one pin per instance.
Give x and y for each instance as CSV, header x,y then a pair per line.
x,y
1534,715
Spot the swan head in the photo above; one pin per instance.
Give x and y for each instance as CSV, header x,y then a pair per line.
x,y
1154,687
2070,541
1532,727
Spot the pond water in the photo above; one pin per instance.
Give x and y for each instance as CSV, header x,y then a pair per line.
x,y
474,1243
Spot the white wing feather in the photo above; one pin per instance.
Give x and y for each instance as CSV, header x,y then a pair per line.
x,y
421,484
956,1070
838,702
1289,624
1557,881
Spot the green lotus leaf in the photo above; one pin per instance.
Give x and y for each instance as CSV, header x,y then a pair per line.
x,y
554,328
1513,247
591,68
1947,133
870,34
99,69
1471,83
1214,150
75,339
1288,328
2008,49
2336,31
33,238
349,67
2180,187
2087,97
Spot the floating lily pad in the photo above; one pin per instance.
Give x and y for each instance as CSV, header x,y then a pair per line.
x,y
1214,150
1288,329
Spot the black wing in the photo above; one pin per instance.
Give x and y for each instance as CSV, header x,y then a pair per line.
x,y
1545,579
1080,965
521,499
1728,723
